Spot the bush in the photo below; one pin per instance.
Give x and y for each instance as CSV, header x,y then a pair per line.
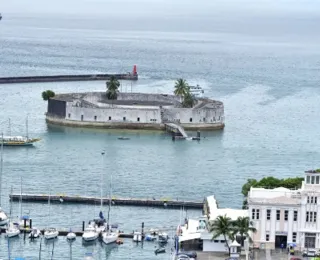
x,y
46,95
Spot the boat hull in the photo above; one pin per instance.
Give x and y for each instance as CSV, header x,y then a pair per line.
x,y
12,233
90,238
109,238
51,235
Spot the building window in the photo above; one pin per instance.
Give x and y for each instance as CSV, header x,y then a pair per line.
x,y
294,236
286,213
308,200
307,216
315,200
109,118
311,200
190,120
267,237
222,241
268,214
124,118
317,179
278,214
312,179
308,179
81,117
295,215
314,216
204,119
69,115
138,119
253,213
216,241
95,118
258,214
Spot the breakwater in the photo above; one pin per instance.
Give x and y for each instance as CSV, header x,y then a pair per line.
x,y
66,78
118,201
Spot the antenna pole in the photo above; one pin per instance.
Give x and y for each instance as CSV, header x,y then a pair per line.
x,y
1,166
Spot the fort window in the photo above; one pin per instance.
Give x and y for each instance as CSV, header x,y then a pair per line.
x,y
95,118
204,119
190,119
267,237
69,115
219,118
317,179
109,118
81,117
138,119
124,118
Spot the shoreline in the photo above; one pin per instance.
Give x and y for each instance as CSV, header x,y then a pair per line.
x,y
128,126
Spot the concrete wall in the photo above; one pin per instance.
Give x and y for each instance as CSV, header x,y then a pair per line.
x,y
150,116
194,116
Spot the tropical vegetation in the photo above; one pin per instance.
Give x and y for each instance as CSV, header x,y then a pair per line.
x,y
231,230
112,88
270,183
46,95
182,89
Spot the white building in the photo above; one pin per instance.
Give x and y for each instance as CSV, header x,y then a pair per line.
x,y
197,229
284,216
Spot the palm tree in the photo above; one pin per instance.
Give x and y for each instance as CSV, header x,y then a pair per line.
x,y
181,87
222,226
46,95
242,227
112,88
188,100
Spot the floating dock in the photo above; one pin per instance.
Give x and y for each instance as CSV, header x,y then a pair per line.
x,y
65,78
61,198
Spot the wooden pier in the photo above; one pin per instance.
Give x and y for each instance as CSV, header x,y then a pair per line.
x,y
61,198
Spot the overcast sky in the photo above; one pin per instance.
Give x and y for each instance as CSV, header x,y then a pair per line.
x,y
162,7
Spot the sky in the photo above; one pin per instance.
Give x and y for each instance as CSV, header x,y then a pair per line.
x,y
162,7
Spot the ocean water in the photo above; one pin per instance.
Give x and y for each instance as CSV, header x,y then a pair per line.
x,y
267,77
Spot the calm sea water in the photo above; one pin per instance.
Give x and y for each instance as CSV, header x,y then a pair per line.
x,y
267,81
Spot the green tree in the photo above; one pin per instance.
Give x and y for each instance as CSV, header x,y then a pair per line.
x,y
222,226
188,100
247,186
243,226
181,87
112,88
46,95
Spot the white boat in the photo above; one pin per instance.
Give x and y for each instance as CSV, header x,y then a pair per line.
x,y
3,217
71,236
35,233
163,237
109,237
137,236
12,230
196,91
90,233
51,233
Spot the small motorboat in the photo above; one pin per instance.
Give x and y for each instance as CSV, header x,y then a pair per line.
x,y
160,250
163,237
71,236
123,138
35,233
137,236
3,218
51,233
150,238
12,230
90,233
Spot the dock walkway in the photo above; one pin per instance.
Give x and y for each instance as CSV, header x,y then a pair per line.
x,y
177,129
118,201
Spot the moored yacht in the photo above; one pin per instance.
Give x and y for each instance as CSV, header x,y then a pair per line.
x,y
196,91
51,233
90,233
12,230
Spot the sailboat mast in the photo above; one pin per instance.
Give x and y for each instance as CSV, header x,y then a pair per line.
x,y
101,183
1,163
20,197
27,130
110,199
9,127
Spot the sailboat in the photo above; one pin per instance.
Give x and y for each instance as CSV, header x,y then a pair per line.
x,y
10,140
109,236
50,233
3,216
12,229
